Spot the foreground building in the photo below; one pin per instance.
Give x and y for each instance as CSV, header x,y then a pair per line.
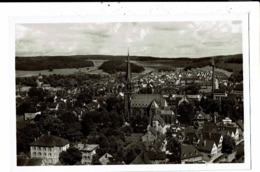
x,y
88,151
48,147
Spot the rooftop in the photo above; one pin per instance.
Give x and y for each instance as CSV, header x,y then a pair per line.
x,y
50,141
87,147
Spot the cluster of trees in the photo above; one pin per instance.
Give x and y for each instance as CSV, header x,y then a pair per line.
x,y
70,157
56,80
228,144
236,77
65,125
45,63
230,107
113,66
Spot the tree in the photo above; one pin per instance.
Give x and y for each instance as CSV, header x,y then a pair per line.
x,y
87,124
192,89
70,157
186,112
72,128
25,136
37,92
51,124
174,147
228,144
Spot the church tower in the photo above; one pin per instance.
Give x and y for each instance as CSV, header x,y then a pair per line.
x,y
213,78
128,89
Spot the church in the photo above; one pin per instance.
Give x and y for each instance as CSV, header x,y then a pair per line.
x,y
153,106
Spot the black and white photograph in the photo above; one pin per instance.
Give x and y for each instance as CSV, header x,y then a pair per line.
x,y
100,93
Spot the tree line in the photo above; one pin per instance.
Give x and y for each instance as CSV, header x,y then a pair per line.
x,y
47,63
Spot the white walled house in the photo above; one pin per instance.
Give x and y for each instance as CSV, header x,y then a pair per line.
x,y
88,151
48,147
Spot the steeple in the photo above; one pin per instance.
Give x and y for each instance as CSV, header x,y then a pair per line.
x,y
127,91
128,74
213,77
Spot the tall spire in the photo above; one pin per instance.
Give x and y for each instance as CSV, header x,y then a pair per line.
x,y
213,76
128,75
128,88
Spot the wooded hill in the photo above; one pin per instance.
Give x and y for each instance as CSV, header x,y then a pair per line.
x,y
228,62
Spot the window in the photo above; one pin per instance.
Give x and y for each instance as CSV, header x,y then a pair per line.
x,y
39,154
34,153
44,154
50,154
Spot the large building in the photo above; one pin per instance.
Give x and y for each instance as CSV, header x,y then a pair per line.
x,y
48,147
148,105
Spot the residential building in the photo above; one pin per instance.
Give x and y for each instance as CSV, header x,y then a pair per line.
x,y
48,147
104,160
189,154
31,116
88,151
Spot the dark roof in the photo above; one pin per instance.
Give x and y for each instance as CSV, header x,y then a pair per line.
x,y
50,141
156,155
206,145
190,137
142,158
115,160
144,100
226,129
189,151
212,136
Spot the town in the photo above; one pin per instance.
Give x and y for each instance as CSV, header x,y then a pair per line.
x,y
164,116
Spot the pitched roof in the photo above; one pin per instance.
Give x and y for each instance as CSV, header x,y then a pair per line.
x,y
206,145
50,141
115,160
190,137
104,159
184,99
144,100
86,147
156,155
142,158
189,151
212,136
154,105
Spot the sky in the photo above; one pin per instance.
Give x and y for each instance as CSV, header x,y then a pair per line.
x,y
157,39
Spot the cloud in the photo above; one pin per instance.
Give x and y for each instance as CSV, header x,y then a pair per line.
x,y
162,39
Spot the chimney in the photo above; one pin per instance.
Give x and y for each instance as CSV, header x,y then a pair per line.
x,y
49,133
205,142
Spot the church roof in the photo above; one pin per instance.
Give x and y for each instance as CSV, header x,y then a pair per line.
x,y
144,100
